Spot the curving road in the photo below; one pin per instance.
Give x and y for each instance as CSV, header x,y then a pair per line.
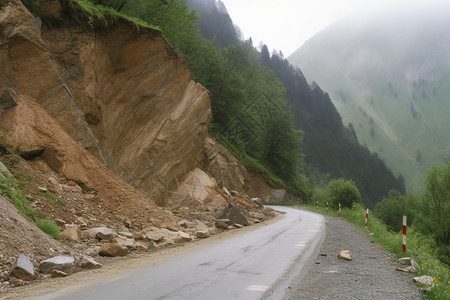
x,y
259,264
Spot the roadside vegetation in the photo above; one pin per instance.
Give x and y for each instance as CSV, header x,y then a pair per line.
x,y
11,190
428,223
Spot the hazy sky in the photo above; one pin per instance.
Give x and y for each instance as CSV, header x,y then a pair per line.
x,y
286,24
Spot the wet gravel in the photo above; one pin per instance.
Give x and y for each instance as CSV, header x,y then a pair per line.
x,y
370,275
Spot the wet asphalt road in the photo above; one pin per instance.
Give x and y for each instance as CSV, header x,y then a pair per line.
x,y
259,264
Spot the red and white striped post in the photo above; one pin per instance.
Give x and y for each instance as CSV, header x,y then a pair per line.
x,y
367,216
404,234
317,204
327,207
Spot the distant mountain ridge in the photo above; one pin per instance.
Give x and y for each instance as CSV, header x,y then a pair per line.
x,y
388,73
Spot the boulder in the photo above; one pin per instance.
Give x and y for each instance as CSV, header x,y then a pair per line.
x,y
236,216
185,224
200,226
123,241
408,261
140,246
155,236
184,236
72,233
23,268
101,233
345,255
60,262
426,280
89,263
202,234
112,250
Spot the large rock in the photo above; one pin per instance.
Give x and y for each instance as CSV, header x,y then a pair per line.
x,y
126,242
61,263
236,216
112,250
101,233
426,280
232,213
155,236
72,233
23,268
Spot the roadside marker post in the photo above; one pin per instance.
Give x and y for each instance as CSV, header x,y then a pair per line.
x,y
317,204
339,210
367,216
404,234
327,207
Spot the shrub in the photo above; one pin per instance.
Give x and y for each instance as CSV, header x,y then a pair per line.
x,y
49,227
342,191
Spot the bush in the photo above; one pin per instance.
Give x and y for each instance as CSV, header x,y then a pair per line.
x,y
49,227
342,191
392,209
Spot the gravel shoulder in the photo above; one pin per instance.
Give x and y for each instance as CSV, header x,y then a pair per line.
x,y
370,275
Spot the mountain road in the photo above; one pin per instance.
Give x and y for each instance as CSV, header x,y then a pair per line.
x,y
258,264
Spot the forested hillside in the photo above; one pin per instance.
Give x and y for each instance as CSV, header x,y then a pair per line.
x,y
331,150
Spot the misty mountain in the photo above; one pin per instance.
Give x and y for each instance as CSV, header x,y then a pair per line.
x,y
388,74
331,150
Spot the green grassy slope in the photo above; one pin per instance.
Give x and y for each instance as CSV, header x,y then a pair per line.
x,y
388,73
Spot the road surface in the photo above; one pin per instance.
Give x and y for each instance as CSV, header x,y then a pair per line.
x,y
259,264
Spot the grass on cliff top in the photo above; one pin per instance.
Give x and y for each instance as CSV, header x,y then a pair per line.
x,y
102,13
418,246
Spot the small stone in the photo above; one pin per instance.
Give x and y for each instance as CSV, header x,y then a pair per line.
x,y
58,273
126,234
323,254
345,255
60,222
89,263
42,189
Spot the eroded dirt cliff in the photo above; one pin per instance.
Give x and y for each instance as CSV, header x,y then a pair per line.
x,y
106,117
121,92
